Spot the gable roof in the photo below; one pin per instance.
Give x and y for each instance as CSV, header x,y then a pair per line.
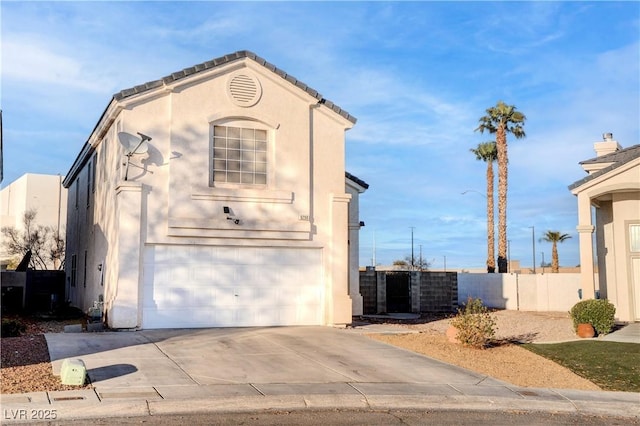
x,y
357,180
618,159
87,149
241,54
622,155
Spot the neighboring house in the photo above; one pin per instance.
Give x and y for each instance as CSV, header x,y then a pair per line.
x,y
42,193
236,212
613,189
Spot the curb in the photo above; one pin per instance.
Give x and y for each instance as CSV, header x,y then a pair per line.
x,y
45,406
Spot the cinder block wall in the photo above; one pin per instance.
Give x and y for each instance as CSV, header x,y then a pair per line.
x,y
432,292
438,292
369,291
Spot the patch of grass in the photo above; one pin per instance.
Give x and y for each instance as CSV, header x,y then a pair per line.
x,y
613,366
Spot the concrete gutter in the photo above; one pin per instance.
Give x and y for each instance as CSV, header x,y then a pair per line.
x,y
88,404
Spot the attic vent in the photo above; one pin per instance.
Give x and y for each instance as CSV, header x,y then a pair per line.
x,y
244,90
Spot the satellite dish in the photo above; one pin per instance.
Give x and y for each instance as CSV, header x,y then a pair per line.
x,y
133,145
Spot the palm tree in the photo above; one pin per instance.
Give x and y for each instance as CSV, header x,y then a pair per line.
x,y
555,237
487,152
502,119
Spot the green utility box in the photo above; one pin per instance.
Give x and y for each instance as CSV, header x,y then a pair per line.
x,y
73,372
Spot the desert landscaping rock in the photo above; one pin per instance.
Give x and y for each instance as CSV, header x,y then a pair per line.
x,y
506,360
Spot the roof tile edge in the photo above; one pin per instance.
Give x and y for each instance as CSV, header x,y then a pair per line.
x,y
241,54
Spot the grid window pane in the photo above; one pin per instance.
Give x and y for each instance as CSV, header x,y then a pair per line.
x,y
248,144
261,135
233,143
233,132
233,154
239,155
634,238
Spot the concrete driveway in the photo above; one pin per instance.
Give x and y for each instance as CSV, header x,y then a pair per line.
x,y
254,361
161,372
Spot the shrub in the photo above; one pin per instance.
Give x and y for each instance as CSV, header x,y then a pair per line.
x,y
597,312
12,328
475,324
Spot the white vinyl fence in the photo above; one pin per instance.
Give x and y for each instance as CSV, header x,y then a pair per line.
x,y
524,292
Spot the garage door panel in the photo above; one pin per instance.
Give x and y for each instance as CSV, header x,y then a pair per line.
x,y
202,275
192,286
222,256
190,319
224,317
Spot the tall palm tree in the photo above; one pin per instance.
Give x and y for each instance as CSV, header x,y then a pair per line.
x,y
487,152
502,119
555,237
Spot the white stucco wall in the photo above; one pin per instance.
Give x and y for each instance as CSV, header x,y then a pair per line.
x,y
525,292
42,193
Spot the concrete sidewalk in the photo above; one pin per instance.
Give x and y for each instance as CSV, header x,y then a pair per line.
x,y
629,333
286,368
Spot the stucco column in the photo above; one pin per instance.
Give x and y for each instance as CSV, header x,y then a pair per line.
x,y
354,270
123,310
341,302
585,232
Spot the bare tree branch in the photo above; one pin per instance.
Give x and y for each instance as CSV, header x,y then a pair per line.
x,y
47,248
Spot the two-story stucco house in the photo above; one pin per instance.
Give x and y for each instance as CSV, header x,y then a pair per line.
x,y
612,189
216,196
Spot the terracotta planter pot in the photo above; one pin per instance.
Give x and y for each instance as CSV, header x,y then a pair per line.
x,y
585,331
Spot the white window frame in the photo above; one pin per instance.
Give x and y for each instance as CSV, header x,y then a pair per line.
x,y
242,124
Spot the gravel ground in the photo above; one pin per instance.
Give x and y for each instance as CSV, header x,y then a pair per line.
x,y
506,360
26,365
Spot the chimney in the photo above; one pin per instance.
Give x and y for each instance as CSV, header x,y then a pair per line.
x,y
607,146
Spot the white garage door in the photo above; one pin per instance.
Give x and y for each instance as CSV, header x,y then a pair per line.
x,y
197,286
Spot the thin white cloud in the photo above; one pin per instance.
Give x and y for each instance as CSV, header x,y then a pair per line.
x,y
27,60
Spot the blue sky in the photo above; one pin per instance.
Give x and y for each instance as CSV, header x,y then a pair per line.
x,y
417,75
